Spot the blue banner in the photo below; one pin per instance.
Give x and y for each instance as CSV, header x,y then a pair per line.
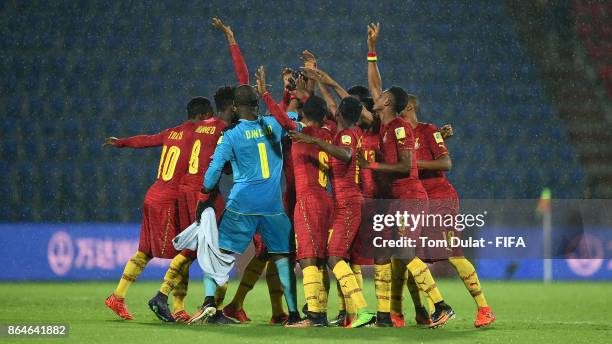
x,y
73,252
99,252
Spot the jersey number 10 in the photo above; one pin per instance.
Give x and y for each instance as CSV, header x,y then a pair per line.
x,y
167,162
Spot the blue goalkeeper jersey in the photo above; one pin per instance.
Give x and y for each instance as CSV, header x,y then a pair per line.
x,y
254,150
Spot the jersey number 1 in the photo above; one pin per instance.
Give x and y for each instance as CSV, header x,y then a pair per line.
x,y
263,160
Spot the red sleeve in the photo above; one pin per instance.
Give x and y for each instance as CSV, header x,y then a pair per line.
x,y
404,137
279,114
240,67
435,142
142,141
284,104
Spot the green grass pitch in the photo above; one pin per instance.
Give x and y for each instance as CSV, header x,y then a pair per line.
x,y
527,312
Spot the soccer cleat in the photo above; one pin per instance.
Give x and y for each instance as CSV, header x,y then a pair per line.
x,y
208,309
292,318
181,316
220,319
363,318
348,320
441,315
159,305
339,321
240,315
485,317
311,320
422,317
279,319
383,319
398,320
117,305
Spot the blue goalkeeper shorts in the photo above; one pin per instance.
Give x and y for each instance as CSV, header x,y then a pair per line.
x,y
236,231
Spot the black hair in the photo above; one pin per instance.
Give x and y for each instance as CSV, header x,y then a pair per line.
x,y
400,98
245,95
350,109
363,94
415,102
315,109
198,106
224,98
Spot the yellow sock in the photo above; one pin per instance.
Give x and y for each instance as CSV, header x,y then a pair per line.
x,y
349,285
424,280
180,291
220,294
275,289
358,275
398,276
466,271
174,274
429,305
356,268
251,274
341,299
413,289
324,292
312,287
382,285
132,270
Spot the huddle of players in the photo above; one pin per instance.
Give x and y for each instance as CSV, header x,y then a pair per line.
x,y
372,138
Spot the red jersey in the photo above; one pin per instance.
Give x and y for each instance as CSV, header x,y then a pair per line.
x,y
429,145
206,135
310,163
370,148
397,136
345,176
177,143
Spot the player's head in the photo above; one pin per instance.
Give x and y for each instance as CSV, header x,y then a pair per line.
x,y
413,103
246,101
393,99
315,109
350,110
363,94
224,102
412,108
199,108
224,99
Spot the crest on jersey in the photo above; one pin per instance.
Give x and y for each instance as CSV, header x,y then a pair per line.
x,y
346,139
438,137
416,143
400,133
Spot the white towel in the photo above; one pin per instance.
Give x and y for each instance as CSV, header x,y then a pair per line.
x,y
204,238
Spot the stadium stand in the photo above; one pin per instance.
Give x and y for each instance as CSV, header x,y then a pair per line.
x,y
78,71
554,33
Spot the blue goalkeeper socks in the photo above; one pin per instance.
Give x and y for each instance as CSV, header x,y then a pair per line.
x,y
287,279
210,286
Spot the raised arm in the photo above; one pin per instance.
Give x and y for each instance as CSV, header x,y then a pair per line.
x,y
374,81
280,115
324,78
240,67
332,106
138,141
